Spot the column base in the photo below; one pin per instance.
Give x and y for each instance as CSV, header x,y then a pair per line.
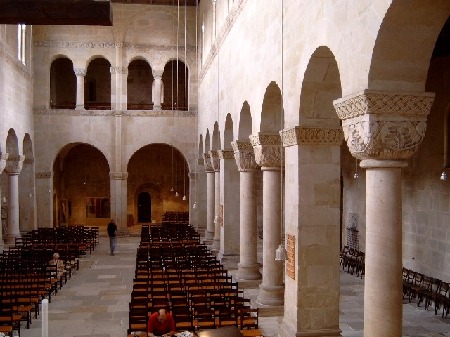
x,y
2,246
270,295
79,107
215,245
230,261
209,237
286,331
249,271
11,238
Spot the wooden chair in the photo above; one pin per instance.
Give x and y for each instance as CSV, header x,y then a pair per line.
x,y
248,318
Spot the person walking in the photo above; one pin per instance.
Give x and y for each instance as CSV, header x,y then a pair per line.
x,y
112,229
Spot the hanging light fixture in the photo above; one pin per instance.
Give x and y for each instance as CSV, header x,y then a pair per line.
x,y
280,253
443,175
356,175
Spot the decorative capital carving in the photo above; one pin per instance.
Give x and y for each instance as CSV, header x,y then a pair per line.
x,y
118,70
207,162
43,175
215,160
14,163
226,154
315,136
384,125
118,175
244,156
193,176
28,161
157,73
267,148
3,159
80,71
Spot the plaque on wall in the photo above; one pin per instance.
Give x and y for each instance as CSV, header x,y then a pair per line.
x,y
290,262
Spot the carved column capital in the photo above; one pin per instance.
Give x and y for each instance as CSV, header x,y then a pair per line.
x,y
80,71
244,156
118,175
215,160
267,148
157,74
225,154
207,162
3,159
14,163
313,136
28,161
384,125
193,176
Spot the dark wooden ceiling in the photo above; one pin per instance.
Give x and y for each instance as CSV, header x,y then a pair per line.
x,y
70,12
159,2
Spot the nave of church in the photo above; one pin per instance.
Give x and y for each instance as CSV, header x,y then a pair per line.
x,y
94,302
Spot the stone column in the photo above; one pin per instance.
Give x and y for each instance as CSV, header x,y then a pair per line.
x,y
157,89
44,198
118,186
3,159
248,267
229,199
312,214
13,167
215,162
193,211
27,193
80,73
119,88
383,129
210,201
267,148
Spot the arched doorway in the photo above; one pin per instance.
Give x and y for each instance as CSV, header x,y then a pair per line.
x,y
144,207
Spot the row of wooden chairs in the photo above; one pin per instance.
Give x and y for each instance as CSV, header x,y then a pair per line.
x,y
27,277
353,260
175,217
182,276
427,290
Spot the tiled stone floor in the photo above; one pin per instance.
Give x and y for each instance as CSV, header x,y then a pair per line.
x,y
95,301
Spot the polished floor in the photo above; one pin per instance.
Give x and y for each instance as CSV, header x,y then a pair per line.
x,y
94,302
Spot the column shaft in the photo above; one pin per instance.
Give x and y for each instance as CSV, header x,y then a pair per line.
x,y
383,280
271,290
13,208
80,92
157,93
210,203
248,265
217,220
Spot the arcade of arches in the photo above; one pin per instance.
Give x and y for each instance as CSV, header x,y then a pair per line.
x,y
255,117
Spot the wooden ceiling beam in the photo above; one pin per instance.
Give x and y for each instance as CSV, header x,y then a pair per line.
x,y
56,12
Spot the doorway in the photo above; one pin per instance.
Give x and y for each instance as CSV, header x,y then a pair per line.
x,y
144,207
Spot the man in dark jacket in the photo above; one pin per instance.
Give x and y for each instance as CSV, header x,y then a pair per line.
x,y
112,229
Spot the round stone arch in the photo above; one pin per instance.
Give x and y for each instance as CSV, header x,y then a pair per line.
x,y
245,122
405,43
63,83
215,138
81,186
207,141
162,171
227,133
321,86
271,110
